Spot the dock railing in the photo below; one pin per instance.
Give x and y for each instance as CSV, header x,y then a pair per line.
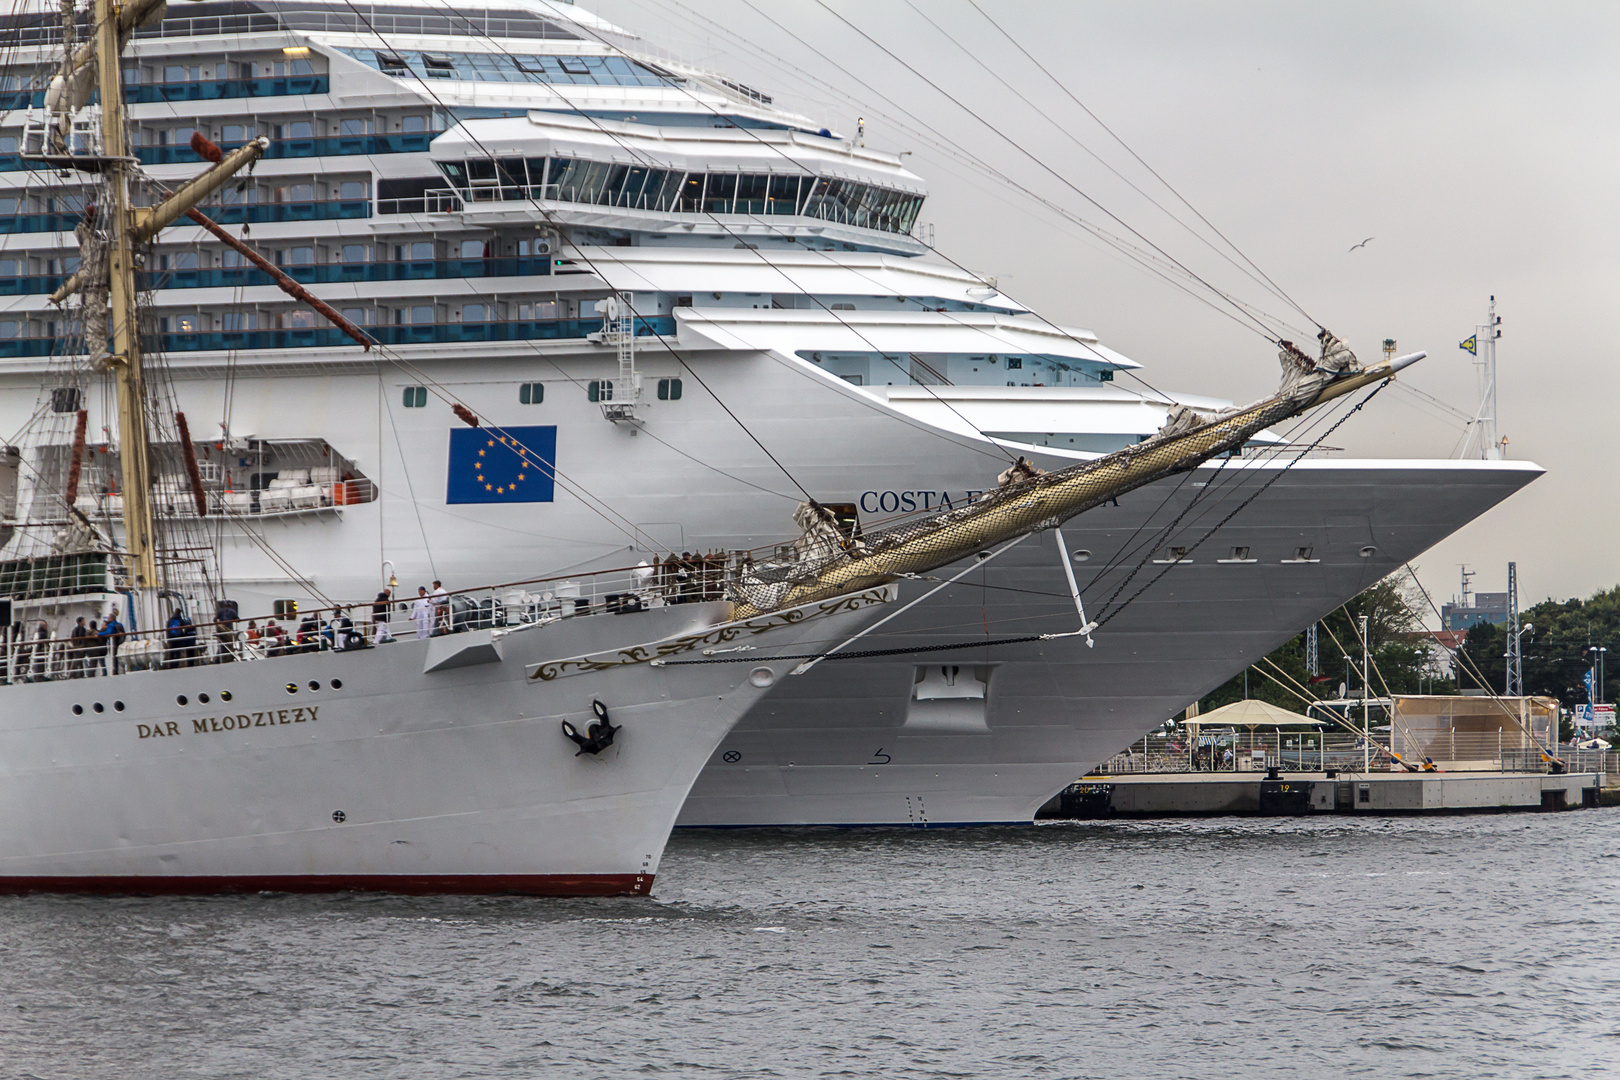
x,y
1256,751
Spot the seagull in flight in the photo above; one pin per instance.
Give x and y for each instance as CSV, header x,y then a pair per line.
x,y
1364,243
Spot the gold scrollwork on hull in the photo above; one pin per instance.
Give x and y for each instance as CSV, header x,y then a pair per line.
x,y
720,635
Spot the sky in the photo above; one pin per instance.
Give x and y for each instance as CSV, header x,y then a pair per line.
x,y
1476,143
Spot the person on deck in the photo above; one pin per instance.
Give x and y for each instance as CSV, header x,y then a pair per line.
x,y
422,612
112,632
76,649
379,618
309,634
172,634
441,607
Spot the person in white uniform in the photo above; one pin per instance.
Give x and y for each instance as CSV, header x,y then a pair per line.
x,y
422,612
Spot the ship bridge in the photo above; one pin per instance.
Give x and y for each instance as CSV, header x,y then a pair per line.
x,y
677,182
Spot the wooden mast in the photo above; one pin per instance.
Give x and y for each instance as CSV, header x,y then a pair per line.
x,y
123,338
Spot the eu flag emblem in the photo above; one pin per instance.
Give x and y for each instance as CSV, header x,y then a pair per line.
x,y
501,465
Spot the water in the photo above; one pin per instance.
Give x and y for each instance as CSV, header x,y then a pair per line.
x,y
1436,947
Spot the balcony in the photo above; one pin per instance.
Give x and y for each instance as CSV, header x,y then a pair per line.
x,y
327,337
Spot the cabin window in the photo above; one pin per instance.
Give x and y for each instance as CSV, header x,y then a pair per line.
x,y
475,313
356,253
65,399
298,129
236,321
669,389
358,315
599,390
415,397
298,320
413,123
354,189
235,133
1014,363
531,393
474,249
355,125
422,249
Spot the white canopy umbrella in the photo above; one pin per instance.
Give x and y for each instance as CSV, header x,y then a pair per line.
x,y
1252,713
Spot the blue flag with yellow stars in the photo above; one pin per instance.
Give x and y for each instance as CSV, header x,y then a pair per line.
x,y
501,465
1471,346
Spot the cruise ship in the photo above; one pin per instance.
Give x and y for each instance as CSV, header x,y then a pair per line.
x,y
701,309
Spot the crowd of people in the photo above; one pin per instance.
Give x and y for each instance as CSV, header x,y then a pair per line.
x,y
687,578
91,648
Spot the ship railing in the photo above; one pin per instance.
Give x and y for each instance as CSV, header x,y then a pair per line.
x,y
294,629
280,498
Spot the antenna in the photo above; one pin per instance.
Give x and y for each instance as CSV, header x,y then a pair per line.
x,y
1467,576
1483,426
1515,661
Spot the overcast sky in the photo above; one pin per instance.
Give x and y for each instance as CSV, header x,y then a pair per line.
x,y
1477,143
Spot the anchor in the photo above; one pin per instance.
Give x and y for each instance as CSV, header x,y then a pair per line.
x,y
598,735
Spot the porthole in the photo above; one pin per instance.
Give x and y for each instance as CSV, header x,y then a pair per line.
x,y
1369,551
181,701
202,699
224,695
313,685
292,688
118,706
99,707
1080,555
78,710
337,684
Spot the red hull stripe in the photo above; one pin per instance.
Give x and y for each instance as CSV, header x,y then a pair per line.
x,y
406,884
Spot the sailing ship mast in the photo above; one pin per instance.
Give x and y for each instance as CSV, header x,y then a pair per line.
x,y
106,277
123,326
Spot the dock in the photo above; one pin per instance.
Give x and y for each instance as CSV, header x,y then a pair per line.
x,y
1296,794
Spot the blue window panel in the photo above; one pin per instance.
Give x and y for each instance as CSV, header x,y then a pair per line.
x,y
502,465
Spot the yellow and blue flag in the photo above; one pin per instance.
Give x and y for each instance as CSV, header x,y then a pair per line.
x,y
502,465
1471,346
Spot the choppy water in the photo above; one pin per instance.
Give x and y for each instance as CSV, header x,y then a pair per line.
x,y
1453,947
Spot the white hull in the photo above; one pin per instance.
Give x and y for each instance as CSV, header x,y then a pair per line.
x,y
1055,709
848,744
416,766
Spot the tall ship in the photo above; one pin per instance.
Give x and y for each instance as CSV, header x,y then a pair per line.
x,y
701,310
535,738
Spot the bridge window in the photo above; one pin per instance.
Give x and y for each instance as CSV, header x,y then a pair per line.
x,y
669,389
415,397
